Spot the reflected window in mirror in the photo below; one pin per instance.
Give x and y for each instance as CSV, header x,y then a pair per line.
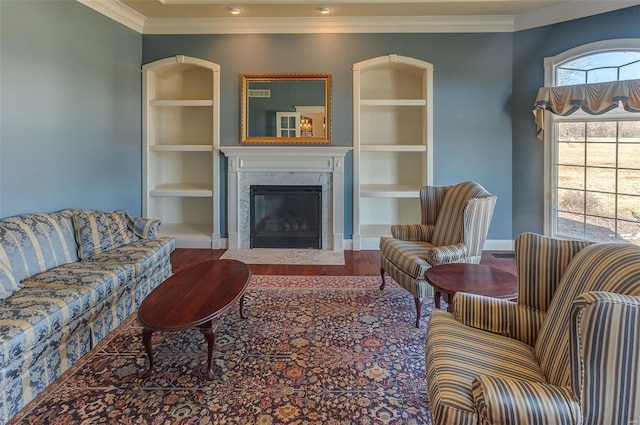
x,y
286,108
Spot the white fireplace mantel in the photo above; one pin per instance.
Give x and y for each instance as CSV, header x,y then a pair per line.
x,y
290,165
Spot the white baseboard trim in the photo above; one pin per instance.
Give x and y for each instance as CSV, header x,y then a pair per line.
x,y
498,245
489,245
373,244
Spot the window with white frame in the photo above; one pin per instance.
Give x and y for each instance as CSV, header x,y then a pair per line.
x,y
592,165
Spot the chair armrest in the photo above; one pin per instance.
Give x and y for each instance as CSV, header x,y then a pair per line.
x,y
486,313
446,254
145,228
604,356
412,232
507,401
498,316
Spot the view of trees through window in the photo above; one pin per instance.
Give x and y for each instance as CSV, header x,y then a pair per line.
x,y
597,159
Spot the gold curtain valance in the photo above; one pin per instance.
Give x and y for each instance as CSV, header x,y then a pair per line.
x,y
594,99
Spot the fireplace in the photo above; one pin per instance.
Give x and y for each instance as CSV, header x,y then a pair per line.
x,y
285,165
285,216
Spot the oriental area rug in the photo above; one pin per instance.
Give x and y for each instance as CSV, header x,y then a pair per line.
x,y
312,350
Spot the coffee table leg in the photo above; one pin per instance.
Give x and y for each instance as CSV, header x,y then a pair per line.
x,y
209,330
242,307
436,297
146,340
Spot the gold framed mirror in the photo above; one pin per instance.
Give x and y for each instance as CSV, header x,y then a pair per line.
x,y
285,108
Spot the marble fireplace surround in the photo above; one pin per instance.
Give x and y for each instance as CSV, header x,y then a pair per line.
x,y
285,165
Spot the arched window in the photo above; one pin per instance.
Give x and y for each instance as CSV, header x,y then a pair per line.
x,y
592,158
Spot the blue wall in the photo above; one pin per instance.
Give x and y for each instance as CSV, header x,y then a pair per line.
x,y
472,89
530,49
70,127
70,118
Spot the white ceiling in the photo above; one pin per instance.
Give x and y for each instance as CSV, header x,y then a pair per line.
x,y
302,16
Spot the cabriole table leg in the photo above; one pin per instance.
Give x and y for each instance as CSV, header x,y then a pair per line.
x,y
146,340
209,331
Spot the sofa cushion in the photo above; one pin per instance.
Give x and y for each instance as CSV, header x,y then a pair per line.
x,y
51,300
457,354
145,228
8,283
98,232
33,243
143,254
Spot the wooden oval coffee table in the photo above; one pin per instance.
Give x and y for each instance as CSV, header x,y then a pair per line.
x,y
193,297
447,279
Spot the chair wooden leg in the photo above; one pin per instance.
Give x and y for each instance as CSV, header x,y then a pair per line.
x,y
418,310
383,281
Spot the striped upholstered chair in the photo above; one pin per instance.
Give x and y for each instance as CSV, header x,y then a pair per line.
x,y
455,222
565,353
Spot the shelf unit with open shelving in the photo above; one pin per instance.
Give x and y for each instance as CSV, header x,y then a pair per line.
x,y
181,114
393,144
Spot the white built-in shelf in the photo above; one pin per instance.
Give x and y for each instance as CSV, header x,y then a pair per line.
x,y
181,148
186,230
393,144
198,102
392,148
192,190
389,191
375,230
393,102
180,133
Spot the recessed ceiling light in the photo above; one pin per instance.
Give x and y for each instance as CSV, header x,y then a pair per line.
x,y
324,9
235,10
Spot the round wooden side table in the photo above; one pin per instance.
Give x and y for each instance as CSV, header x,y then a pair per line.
x,y
447,279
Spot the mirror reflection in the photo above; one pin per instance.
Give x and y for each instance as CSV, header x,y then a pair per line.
x,y
286,108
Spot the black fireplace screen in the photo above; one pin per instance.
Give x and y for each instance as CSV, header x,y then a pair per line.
x,y
286,216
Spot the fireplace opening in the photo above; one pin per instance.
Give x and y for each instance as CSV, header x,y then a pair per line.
x,y
286,216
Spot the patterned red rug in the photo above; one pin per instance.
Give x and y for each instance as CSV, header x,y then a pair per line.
x,y
313,350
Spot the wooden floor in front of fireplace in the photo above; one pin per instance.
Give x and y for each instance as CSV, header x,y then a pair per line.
x,y
357,263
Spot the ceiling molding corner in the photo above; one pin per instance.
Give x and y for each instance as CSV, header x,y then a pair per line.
x,y
568,11
119,12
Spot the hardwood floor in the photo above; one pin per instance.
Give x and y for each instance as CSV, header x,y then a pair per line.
x,y
357,263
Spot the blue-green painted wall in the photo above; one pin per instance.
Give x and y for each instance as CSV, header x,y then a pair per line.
x,y
530,49
472,89
70,122
70,119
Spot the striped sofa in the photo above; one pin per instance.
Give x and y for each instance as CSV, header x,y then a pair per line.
x,y
454,225
565,353
67,279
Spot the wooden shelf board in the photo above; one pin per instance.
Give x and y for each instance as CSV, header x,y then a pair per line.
x,y
393,102
183,190
389,191
181,148
191,230
188,102
392,148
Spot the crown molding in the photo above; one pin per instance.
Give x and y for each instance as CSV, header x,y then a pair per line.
x,y
568,11
575,9
388,24
119,12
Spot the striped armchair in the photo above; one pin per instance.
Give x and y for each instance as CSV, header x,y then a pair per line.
x,y
454,225
565,353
